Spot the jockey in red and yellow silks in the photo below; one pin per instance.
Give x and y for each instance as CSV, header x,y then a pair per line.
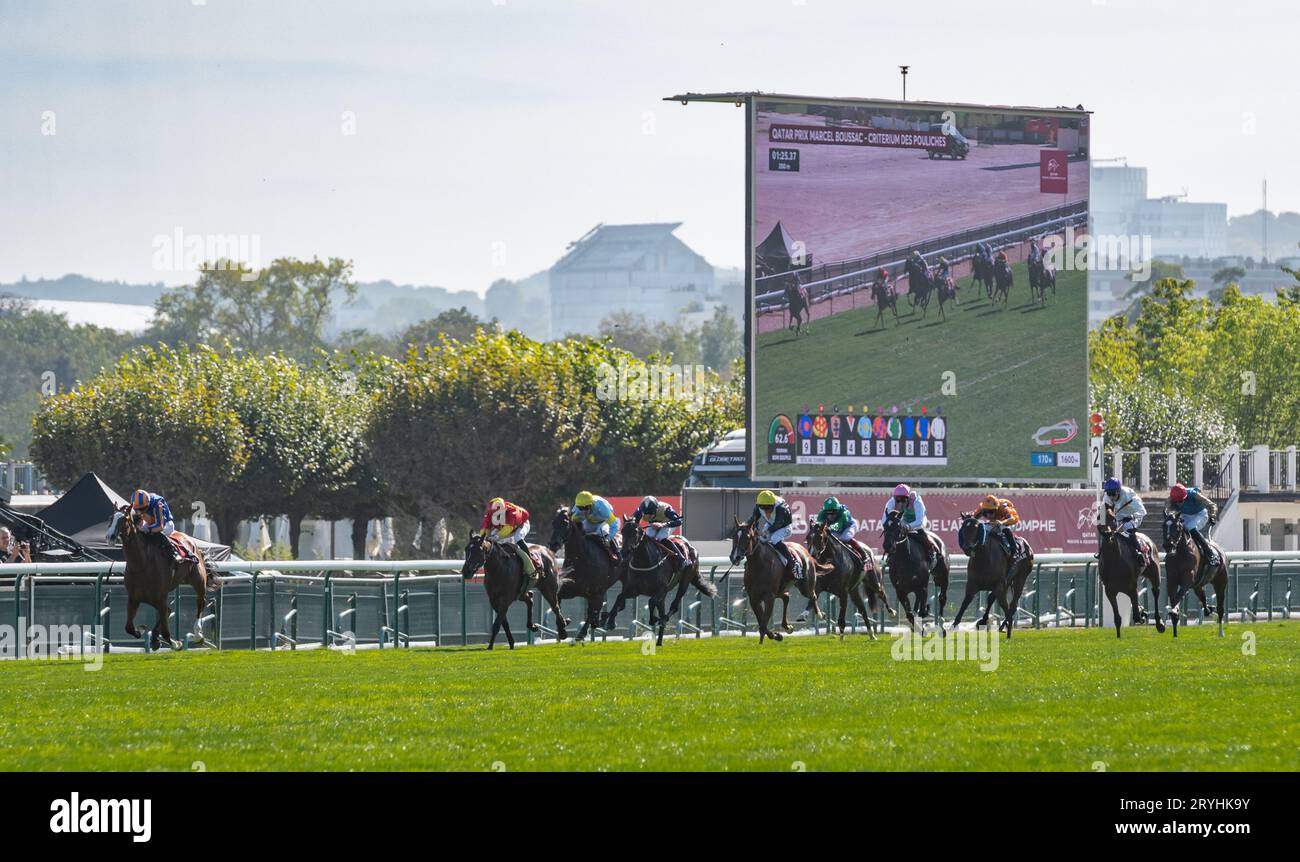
x,y
1000,513
507,523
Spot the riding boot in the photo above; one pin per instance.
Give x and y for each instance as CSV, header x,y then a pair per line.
x,y
677,557
1207,554
526,559
791,561
612,548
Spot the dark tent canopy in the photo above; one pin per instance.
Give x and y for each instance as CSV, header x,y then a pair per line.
x,y
777,253
85,511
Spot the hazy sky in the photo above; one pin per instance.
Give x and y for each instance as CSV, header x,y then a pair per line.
x,y
490,133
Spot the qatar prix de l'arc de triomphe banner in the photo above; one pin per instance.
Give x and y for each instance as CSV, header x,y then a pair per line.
x,y
901,326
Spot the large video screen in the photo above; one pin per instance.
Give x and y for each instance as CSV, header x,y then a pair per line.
x,y
918,300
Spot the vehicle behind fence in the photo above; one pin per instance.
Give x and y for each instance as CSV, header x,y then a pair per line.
x,y
347,604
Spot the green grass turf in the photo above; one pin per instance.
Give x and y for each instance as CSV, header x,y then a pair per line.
x,y
1058,700
1016,371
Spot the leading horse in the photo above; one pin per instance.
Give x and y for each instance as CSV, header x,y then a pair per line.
x,y
505,583
1120,565
989,568
152,572
592,570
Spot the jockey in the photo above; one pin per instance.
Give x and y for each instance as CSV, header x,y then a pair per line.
x,y
661,519
597,518
909,502
882,277
1125,505
507,523
1035,252
839,520
1000,514
157,523
773,518
1197,513
1000,257
985,252
945,269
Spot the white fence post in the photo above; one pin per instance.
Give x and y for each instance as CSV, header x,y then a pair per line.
x,y
1198,468
1259,468
1290,468
1144,469
1171,468
1117,464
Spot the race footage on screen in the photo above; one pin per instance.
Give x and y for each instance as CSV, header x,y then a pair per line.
x,y
906,321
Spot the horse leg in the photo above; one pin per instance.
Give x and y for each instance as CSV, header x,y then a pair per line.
x,y
496,627
615,610
769,605
856,595
505,624
1220,594
785,611
970,593
658,602
132,605
164,625
907,609
1153,576
1176,597
756,605
1112,597
844,609
528,603
1009,620
550,592
1205,604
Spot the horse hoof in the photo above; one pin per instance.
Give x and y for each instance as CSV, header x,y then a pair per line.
x,y
1160,628
776,636
787,627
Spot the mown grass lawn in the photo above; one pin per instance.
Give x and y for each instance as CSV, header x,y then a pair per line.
x,y
1058,700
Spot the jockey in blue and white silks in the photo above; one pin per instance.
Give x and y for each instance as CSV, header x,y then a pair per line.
x,y
596,517
1125,505
1197,512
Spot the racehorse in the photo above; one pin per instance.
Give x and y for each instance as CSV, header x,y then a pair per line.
x,y
1185,569
1120,565
796,297
982,272
766,578
989,568
946,290
648,571
908,571
505,583
884,296
1003,281
152,573
1041,277
842,575
918,284
593,570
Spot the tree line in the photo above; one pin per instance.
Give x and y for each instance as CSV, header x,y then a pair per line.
x,y
232,435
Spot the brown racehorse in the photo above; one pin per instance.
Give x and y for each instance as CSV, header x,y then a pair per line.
x,y
648,571
767,577
844,576
908,571
1120,566
988,568
505,583
152,572
796,297
592,570
1183,571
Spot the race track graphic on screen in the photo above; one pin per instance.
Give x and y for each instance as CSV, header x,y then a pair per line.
x,y
919,304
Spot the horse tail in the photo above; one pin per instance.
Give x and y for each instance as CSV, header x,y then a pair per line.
x,y
703,584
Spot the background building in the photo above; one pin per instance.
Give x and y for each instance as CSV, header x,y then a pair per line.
x,y
638,268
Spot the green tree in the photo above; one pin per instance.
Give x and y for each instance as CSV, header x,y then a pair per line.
x,y
284,308
1228,274
720,340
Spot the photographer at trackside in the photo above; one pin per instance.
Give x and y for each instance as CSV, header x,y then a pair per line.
x,y
12,551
